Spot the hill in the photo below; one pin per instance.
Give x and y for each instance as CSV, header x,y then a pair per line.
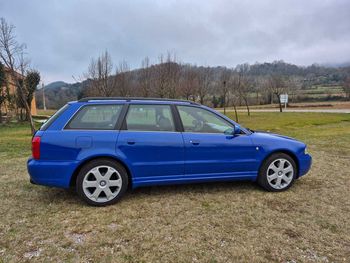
x,y
58,93
56,84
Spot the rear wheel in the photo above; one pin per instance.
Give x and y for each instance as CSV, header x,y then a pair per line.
x,y
102,182
277,173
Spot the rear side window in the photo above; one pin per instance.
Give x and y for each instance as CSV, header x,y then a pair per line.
x,y
95,117
149,118
53,118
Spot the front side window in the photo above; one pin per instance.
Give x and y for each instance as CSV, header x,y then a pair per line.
x,y
195,119
149,118
96,117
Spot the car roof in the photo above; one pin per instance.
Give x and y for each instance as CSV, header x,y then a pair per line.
x,y
134,99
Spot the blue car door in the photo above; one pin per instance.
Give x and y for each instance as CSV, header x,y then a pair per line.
x,y
209,152
150,144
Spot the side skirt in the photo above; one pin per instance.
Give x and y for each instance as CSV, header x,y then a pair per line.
x,y
192,178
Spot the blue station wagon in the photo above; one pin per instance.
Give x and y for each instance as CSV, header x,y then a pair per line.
x,y
103,146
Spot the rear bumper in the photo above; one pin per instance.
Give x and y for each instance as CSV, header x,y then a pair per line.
x,y
51,173
305,162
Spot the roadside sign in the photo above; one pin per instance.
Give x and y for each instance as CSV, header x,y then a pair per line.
x,y
284,99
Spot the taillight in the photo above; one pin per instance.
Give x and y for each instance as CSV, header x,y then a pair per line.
x,y
36,147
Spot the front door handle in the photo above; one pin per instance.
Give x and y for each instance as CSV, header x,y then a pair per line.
x,y
130,141
194,142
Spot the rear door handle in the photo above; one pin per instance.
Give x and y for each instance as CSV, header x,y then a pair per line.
x,y
194,142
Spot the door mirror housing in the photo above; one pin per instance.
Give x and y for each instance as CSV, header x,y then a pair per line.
x,y
237,130
233,131
230,132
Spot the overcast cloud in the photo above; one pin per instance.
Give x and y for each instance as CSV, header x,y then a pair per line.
x,y
63,35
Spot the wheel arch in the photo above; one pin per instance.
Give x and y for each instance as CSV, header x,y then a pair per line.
x,y
289,153
87,160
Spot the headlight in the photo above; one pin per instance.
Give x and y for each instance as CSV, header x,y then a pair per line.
x,y
306,151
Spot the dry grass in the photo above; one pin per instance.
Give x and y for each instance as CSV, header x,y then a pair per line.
x,y
219,222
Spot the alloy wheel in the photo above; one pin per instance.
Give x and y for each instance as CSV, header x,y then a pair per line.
x,y
102,183
280,173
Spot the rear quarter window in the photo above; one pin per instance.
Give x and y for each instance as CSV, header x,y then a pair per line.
x,y
53,118
95,117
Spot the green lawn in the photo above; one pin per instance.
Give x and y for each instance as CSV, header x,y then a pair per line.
x,y
218,222
45,112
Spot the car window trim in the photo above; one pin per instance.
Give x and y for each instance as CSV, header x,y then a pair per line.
x,y
177,119
66,128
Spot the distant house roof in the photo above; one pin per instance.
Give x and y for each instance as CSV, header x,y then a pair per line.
x,y
8,70
9,81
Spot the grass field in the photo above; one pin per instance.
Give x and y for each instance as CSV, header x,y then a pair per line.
x,y
217,222
45,112
300,105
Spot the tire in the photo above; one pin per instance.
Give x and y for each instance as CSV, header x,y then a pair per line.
x,y
102,182
277,173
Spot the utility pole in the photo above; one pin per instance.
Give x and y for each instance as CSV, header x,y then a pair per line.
x,y
43,88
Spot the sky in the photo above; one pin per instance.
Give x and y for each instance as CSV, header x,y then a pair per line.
x,y
63,35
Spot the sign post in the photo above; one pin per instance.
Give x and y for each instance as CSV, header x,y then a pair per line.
x,y
284,99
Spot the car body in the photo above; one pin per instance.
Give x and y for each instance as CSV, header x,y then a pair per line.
x,y
156,141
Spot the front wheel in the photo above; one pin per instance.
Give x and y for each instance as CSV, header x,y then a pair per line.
x,y
277,173
101,182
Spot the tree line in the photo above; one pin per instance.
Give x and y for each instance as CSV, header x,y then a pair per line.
x,y
218,87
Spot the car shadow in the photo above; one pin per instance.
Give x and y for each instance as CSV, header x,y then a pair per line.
x,y
194,188
69,196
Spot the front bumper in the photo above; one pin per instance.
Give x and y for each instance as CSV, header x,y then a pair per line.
x,y
305,161
51,173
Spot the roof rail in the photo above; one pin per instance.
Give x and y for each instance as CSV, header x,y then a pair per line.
x,y
133,98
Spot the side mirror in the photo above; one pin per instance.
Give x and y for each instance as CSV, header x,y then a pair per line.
x,y
233,131
237,130
230,131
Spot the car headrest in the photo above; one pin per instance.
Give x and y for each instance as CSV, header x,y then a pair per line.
x,y
165,124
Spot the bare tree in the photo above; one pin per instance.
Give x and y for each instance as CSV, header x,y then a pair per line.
x,y
277,85
3,87
99,74
346,87
144,77
12,56
172,71
233,96
242,84
204,82
189,85
224,87
265,91
293,87
160,77
123,78
166,76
